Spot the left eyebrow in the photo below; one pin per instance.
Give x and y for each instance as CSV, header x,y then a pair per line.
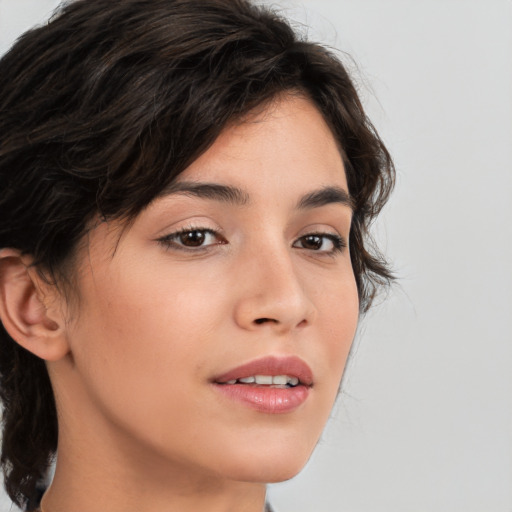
x,y
325,196
212,191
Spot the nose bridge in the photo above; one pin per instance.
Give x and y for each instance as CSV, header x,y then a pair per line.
x,y
273,292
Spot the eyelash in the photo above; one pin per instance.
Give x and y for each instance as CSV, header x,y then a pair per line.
x,y
337,241
171,241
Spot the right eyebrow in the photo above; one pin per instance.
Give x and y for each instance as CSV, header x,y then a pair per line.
x,y
215,191
325,196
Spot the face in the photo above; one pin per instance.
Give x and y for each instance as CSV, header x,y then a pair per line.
x,y
241,270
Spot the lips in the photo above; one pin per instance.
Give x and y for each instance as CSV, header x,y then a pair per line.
x,y
269,385
272,366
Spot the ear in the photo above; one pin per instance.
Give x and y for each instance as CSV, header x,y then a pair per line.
x,y
30,308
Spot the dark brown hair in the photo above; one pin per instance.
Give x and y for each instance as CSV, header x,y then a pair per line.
x,y
104,106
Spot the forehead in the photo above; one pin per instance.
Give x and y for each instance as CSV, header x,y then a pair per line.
x,y
287,142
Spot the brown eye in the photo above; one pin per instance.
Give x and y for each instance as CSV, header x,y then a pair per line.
x,y
321,242
194,238
312,242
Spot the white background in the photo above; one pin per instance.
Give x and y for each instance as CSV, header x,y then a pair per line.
x,y
424,423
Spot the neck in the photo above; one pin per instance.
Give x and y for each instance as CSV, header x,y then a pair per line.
x,y
100,468
100,485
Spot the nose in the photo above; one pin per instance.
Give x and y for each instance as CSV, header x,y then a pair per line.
x,y
272,294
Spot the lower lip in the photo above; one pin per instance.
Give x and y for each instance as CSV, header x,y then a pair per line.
x,y
266,399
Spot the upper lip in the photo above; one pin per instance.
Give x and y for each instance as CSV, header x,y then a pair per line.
x,y
289,365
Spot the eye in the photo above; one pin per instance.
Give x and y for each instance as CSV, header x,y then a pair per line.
x,y
321,242
192,238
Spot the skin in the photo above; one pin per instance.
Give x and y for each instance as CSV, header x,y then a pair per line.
x,y
141,427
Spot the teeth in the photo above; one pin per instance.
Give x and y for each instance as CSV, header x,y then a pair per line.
x,y
267,380
263,379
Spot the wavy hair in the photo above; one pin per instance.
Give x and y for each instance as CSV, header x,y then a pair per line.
x,y
107,104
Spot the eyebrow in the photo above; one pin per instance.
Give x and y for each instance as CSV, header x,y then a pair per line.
x,y
236,196
325,196
215,191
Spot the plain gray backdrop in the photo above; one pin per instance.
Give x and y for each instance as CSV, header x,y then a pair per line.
x,y
424,422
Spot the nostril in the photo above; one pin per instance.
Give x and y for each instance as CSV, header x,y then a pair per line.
x,y
264,320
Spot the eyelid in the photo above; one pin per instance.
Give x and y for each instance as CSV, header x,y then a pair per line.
x,y
169,241
338,241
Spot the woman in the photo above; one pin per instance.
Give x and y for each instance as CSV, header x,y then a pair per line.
x,y
186,192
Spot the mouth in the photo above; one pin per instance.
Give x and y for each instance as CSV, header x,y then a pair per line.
x,y
275,381
270,385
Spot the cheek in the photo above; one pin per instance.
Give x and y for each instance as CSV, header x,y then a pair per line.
x,y
161,318
142,338
150,314
338,317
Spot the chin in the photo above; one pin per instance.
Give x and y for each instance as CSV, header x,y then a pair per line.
x,y
281,475
269,466
268,475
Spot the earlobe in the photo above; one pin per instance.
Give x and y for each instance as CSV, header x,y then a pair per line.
x,y
29,308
